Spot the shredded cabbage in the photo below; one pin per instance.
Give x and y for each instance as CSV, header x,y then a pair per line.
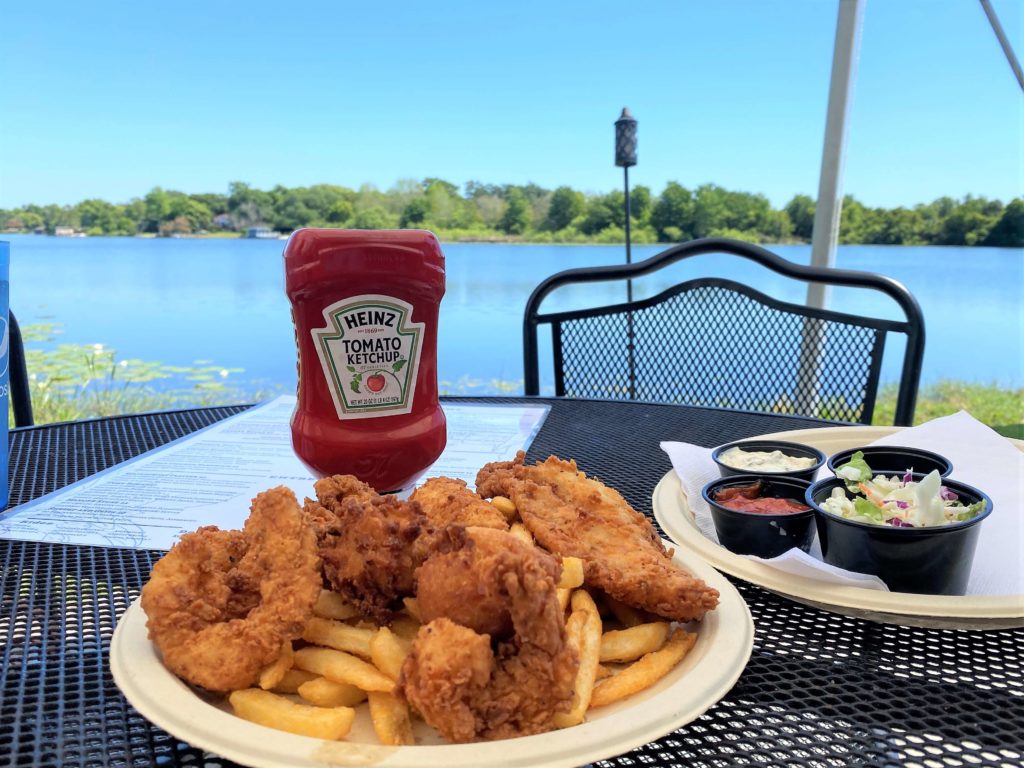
x,y
897,501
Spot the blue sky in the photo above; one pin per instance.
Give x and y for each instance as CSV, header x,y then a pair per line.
x,y
109,99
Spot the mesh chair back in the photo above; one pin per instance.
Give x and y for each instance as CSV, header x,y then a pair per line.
x,y
716,342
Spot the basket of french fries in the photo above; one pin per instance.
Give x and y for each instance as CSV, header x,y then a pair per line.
x,y
367,626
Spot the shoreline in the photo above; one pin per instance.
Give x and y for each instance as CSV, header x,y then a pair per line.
x,y
482,241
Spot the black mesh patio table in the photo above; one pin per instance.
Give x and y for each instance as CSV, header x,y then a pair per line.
x,y
820,689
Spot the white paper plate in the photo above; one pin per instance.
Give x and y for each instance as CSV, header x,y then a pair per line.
x,y
965,612
725,640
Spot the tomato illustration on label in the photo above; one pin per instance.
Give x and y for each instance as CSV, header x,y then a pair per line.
x,y
369,350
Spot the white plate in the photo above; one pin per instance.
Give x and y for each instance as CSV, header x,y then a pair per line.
x,y
724,643
966,612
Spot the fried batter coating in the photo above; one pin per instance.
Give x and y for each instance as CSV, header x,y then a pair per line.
x,y
573,515
220,603
467,690
446,500
371,551
461,580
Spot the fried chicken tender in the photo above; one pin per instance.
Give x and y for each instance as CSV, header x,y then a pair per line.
x,y
331,492
461,580
220,604
446,500
371,549
466,689
573,515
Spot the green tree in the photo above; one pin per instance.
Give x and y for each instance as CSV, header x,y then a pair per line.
x,y
197,215
566,205
801,214
373,218
604,211
516,219
249,207
1008,232
340,212
640,205
674,209
415,213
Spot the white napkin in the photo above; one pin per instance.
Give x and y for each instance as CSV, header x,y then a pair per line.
x,y
980,456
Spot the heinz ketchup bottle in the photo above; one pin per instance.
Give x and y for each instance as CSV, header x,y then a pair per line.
x,y
365,305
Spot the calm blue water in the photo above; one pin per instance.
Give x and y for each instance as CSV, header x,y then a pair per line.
x,y
181,301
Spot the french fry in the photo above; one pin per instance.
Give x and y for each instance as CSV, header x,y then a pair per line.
x,y
390,716
506,507
645,672
583,630
603,672
331,605
343,667
292,679
405,627
335,634
412,607
273,672
563,596
522,533
388,652
275,711
626,614
632,643
572,573
322,692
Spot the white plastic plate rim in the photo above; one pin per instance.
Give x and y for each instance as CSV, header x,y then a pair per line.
x,y
675,518
723,647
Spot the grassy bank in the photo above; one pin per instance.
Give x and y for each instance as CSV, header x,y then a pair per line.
x,y
73,381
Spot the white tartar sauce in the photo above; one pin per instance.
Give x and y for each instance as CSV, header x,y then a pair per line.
x,y
764,461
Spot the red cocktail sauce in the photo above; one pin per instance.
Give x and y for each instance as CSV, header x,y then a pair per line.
x,y
365,307
747,498
765,506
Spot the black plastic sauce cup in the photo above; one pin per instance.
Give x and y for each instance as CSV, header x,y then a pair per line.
x,y
754,533
935,560
894,460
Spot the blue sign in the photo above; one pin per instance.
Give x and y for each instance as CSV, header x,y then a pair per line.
x,y
5,368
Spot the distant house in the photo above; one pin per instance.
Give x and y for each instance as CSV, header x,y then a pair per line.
x,y
222,220
64,231
261,233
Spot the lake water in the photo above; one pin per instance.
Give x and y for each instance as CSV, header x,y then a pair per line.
x,y
180,301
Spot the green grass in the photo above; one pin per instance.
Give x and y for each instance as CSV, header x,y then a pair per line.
x,y
80,381
1000,408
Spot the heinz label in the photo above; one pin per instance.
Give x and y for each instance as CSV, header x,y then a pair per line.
x,y
370,352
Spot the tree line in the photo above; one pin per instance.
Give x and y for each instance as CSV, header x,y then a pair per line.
x,y
528,213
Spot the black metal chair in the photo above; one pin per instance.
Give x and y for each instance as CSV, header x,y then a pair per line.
x,y
21,398
717,342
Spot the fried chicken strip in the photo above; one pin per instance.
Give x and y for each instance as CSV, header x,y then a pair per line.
x,y
371,545
461,580
448,501
220,604
453,676
573,515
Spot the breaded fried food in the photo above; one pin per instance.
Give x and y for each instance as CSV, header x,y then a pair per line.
x,y
330,493
573,515
371,549
461,580
448,501
467,689
220,604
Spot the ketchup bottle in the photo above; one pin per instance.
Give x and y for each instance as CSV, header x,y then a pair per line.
x,y
365,305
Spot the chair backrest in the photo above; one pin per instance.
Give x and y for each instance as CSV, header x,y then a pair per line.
x,y
717,342
21,398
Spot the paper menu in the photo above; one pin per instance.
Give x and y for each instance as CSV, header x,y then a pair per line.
x,y
209,477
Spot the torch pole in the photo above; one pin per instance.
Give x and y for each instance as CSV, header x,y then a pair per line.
x,y
629,298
